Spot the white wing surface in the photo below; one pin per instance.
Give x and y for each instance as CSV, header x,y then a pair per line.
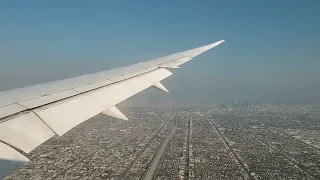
x,y
29,116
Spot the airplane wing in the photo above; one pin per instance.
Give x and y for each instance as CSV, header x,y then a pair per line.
x,y
31,115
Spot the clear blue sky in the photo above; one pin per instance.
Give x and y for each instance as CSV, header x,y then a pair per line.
x,y
271,50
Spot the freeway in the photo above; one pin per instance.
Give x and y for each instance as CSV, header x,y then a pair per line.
x,y
149,173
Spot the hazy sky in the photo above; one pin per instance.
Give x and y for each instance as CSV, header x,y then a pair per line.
x,y
271,52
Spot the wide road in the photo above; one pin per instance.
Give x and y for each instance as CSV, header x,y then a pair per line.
x,y
156,159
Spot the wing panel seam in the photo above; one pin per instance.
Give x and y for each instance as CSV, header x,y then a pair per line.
x,y
44,122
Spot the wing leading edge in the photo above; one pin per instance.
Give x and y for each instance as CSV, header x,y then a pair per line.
x,y
29,116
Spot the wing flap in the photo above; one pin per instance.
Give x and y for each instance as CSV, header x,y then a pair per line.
x,y
25,132
65,115
10,154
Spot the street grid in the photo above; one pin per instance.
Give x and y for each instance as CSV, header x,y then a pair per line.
x,y
185,142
